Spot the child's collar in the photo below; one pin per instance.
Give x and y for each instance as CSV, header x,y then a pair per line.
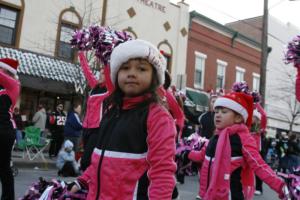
x,y
233,128
131,102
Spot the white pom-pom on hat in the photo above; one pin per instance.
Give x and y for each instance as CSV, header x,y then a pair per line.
x,y
137,49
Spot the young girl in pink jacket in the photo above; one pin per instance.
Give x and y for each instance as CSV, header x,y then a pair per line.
x,y
134,154
9,93
231,156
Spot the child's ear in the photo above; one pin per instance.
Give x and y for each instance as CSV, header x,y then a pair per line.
x,y
238,119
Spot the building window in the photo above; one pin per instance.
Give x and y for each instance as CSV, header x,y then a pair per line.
x,y
221,69
168,59
240,72
8,25
256,79
199,70
65,49
69,21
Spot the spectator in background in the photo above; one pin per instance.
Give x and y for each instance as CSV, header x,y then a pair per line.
x,y
66,163
73,126
291,159
206,120
39,119
19,124
57,122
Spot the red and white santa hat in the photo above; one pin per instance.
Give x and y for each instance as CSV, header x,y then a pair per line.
x,y
137,49
9,64
239,102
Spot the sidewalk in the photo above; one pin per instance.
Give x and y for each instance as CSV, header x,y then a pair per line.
x,y
38,162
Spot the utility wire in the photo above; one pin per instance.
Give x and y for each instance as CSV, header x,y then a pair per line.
x,y
247,23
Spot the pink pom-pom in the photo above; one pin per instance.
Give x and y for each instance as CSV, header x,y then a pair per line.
x,y
101,39
292,54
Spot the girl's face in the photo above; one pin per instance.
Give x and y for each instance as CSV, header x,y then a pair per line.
x,y
225,117
135,77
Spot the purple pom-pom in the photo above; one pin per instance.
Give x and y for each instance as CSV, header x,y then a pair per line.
x,y
243,87
256,97
101,39
292,54
240,87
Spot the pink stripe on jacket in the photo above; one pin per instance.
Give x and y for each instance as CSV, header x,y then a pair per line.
x,y
94,103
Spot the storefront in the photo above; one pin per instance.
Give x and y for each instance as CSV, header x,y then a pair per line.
x,y
45,80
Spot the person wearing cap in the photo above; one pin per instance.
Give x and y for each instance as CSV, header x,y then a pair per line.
x,y
9,93
231,156
134,155
66,163
57,121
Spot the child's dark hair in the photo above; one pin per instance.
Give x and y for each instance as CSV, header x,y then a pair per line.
x,y
116,98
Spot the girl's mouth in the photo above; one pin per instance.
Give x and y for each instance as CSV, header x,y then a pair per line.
x,y
131,83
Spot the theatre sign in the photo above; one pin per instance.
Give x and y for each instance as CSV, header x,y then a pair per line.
x,y
154,5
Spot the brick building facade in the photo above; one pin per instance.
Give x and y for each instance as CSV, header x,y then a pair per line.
x,y
218,56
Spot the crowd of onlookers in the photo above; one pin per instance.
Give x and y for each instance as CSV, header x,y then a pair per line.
x,y
283,151
64,130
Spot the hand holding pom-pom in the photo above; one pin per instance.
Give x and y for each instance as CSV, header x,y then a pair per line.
x,y
101,39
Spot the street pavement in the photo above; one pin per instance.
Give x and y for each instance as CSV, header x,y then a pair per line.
x,y
188,191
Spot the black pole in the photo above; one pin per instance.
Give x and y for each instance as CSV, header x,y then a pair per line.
x,y
264,54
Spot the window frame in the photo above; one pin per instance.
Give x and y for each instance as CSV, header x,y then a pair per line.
x,y
68,25
223,64
202,57
19,15
239,70
255,76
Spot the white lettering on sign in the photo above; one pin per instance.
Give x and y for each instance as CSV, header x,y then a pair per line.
x,y
153,5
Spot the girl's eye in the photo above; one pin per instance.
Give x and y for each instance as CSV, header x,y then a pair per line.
x,y
224,111
142,68
124,67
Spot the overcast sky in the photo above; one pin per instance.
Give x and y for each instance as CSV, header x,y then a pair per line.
x,y
224,11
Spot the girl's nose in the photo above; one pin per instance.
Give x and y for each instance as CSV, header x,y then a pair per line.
x,y
131,73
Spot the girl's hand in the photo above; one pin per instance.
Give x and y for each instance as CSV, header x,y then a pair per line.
x,y
72,187
285,194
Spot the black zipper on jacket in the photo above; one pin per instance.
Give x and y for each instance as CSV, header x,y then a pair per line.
x,y
102,153
107,141
208,174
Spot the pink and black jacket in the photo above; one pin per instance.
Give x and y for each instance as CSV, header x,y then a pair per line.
x,y
97,95
133,141
9,93
243,157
